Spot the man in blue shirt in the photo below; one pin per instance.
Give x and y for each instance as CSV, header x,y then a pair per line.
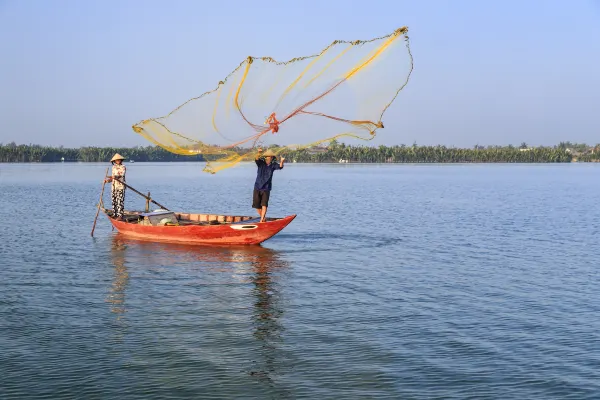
x,y
264,176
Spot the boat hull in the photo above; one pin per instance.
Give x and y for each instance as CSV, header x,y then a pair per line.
x,y
251,233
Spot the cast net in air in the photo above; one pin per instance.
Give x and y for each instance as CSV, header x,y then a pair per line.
x,y
339,93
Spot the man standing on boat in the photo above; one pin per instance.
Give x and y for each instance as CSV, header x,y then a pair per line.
x,y
263,183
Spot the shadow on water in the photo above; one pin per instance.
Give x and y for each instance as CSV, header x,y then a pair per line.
x,y
258,265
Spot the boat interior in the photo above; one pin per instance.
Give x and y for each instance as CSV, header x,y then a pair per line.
x,y
157,218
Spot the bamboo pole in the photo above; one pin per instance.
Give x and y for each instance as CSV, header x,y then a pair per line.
x,y
100,202
143,195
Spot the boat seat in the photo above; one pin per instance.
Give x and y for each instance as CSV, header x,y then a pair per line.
x,y
248,221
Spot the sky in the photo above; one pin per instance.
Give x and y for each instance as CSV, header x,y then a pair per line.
x,y
81,73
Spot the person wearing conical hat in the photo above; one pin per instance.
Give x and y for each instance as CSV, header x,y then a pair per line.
x,y
266,164
118,189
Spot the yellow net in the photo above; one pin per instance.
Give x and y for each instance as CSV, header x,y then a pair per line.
x,y
341,92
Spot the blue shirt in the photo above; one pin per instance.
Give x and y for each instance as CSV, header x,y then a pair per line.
x,y
264,175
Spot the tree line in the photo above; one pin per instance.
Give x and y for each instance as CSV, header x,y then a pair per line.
x,y
334,152
12,152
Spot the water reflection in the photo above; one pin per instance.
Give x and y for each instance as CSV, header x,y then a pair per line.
x,y
267,311
116,293
217,258
260,266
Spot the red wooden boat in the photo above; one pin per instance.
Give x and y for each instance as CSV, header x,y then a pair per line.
x,y
168,226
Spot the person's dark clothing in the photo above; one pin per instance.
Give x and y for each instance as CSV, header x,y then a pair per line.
x,y
264,175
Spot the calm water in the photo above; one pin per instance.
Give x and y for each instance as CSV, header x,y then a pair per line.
x,y
403,282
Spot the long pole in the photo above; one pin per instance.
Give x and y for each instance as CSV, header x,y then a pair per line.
x,y
100,202
143,195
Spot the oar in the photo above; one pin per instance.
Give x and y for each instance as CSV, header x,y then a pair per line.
x,y
143,195
100,202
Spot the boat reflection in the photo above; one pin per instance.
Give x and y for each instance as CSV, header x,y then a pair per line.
x,y
253,264
163,254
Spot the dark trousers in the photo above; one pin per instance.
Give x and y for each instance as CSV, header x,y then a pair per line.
x,y
118,202
260,198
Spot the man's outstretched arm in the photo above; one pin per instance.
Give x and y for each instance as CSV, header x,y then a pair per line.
x,y
257,159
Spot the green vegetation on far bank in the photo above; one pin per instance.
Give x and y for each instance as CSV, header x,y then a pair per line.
x,y
334,152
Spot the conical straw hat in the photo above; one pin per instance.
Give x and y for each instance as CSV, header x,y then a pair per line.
x,y
117,157
268,153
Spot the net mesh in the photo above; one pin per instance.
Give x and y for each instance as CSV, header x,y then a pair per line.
x,y
339,93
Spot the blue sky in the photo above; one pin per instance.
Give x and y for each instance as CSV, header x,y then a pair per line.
x,y
77,73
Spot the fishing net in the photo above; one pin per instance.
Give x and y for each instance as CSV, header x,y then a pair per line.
x,y
339,93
